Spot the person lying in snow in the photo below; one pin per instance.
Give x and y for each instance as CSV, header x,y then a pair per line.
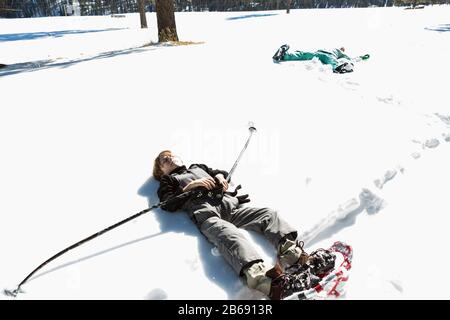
x,y
339,61
219,220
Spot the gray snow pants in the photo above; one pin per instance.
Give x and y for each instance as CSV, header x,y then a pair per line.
x,y
220,221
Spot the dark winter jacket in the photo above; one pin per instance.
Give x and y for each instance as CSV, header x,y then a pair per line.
x,y
172,185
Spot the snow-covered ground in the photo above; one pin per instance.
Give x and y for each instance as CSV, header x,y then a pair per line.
x,y
85,108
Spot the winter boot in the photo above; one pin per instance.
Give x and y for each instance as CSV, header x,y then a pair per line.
x,y
291,253
286,284
256,276
278,56
344,68
275,284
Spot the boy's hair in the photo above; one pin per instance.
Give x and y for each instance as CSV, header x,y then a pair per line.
x,y
157,172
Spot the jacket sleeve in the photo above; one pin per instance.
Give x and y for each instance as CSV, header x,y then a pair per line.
x,y
170,187
339,54
212,172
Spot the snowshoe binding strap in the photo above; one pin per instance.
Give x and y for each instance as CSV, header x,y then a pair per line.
x,y
321,261
288,284
303,256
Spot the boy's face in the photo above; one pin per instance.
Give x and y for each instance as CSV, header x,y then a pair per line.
x,y
169,162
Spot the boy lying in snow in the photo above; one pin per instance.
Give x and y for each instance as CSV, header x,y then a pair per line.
x,y
339,61
219,220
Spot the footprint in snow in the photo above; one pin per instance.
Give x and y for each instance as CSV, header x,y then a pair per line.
x,y
308,181
389,99
443,118
156,294
372,203
388,175
446,136
430,143
416,155
353,83
397,285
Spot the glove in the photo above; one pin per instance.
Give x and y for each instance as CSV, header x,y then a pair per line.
x,y
243,198
365,57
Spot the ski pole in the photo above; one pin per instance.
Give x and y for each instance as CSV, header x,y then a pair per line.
x,y
13,293
252,129
218,191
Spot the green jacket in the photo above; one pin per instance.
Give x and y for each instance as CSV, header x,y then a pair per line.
x,y
333,57
336,53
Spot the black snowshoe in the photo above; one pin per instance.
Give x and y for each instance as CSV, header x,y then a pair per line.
x,y
278,56
321,261
328,271
344,68
304,275
286,284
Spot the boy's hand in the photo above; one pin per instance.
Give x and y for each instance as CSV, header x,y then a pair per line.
x,y
208,183
221,179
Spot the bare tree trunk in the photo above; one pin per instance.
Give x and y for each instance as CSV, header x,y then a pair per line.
x,y
142,14
167,29
288,6
113,7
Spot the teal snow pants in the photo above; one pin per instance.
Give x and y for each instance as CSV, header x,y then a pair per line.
x,y
324,57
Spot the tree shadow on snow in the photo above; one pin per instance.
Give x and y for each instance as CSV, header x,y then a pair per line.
x,y
214,266
440,28
48,34
49,63
256,15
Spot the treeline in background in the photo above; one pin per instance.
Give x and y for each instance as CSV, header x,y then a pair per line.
x,y
40,8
